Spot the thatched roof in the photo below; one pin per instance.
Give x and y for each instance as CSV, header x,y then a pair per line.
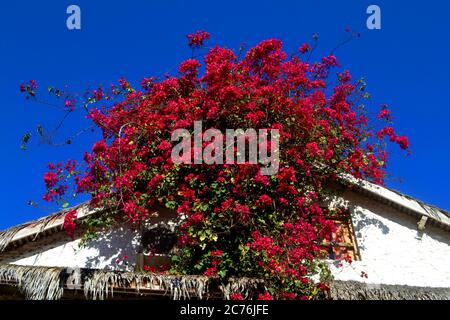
x,y
354,290
32,230
46,283
36,283
404,203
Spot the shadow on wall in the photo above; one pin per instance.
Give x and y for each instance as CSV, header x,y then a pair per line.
x,y
122,241
361,220
107,251
115,249
35,249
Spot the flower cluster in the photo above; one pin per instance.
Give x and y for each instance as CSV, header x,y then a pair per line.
x,y
69,223
55,180
29,88
195,40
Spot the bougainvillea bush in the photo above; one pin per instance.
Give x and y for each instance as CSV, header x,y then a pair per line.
x,y
236,221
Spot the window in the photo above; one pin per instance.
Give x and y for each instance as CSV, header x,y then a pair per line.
x,y
159,240
343,241
157,244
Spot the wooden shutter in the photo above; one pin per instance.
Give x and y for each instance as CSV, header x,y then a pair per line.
x,y
343,240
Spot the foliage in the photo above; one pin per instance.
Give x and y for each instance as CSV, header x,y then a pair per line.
x,y
237,222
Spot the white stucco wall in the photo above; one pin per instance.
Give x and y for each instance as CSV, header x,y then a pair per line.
x,y
392,250
100,253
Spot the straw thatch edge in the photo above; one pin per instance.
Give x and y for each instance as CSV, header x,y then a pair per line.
x,y
48,283
10,238
354,290
36,283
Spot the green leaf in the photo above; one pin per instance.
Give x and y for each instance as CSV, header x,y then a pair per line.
x,y
26,137
171,205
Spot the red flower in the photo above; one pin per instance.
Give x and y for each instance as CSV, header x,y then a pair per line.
x,y
304,48
259,178
196,39
265,296
243,210
50,179
323,287
384,114
29,88
288,295
236,296
211,272
387,131
216,253
313,148
403,142
265,200
150,268
155,181
189,66
68,103
164,145
99,147
348,259
69,223
98,94
70,166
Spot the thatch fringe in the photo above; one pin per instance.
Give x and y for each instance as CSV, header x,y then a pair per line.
x,y
178,287
45,283
354,290
7,236
48,283
102,283
36,283
44,222
245,286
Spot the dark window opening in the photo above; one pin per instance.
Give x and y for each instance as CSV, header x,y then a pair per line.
x,y
158,240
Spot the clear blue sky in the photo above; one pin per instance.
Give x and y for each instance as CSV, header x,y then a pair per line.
x,y
406,65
